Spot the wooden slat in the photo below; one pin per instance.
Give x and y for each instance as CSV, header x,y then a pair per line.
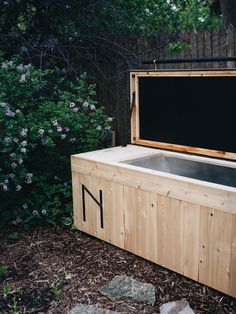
x,y
133,97
151,242
77,180
232,277
93,219
191,220
186,73
169,234
139,228
222,250
141,223
76,190
129,201
206,248
163,207
114,213
186,149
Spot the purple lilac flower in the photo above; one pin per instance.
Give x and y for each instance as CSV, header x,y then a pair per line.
x,y
7,140
27,66
18,188
72,140
18,220
20,67
9,113
41,132
85,104
24,132
22,78
4,65
28,177
5,187
24,143
4,105
72,104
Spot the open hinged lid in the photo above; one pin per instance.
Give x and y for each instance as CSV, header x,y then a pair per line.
x,y
192,111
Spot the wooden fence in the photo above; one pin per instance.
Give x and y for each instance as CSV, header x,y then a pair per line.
x,y
127,54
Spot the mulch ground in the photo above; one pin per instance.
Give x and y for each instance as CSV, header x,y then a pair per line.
x,y
50,270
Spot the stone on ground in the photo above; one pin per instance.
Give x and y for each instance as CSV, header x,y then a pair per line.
x,y
123,287
89,309
176,307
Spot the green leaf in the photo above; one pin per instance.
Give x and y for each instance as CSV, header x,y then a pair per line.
x,y
67,221
14,236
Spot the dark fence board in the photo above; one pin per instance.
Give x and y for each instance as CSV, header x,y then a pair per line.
x,y
113,76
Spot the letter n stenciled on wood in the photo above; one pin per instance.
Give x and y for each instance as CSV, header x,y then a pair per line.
x,y
99,203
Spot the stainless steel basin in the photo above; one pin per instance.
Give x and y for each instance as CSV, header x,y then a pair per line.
x,y
188,168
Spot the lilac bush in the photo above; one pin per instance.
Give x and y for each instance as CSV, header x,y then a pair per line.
x,y
43,120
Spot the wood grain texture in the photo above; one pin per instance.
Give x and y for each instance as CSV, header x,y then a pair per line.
x,y
185,73
181,188
232,277
140,223
206,245
113,213
170,234
222,250
190,225
186,149
152,216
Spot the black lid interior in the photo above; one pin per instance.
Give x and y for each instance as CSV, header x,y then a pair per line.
x,y
191,111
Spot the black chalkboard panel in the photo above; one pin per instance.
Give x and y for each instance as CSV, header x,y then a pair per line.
x,y
190,111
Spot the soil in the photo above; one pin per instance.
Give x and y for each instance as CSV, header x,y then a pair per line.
x,y
50,270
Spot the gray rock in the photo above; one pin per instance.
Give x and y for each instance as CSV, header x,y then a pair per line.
x,y
123,287
89,309
176,307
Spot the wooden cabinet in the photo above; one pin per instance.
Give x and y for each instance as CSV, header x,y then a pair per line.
x,y
158,221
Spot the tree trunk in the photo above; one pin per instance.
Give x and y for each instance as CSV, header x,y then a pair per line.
x,y
228,9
